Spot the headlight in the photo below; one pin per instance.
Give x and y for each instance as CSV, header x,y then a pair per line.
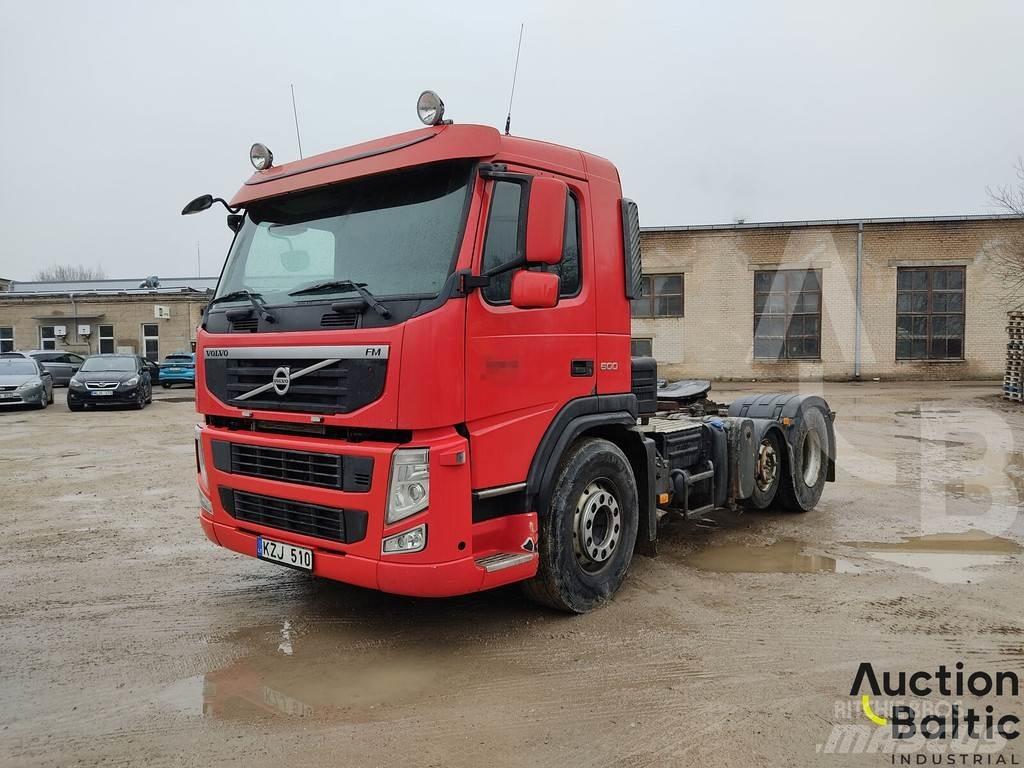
x,y
30,384
409,490
131,382
75,383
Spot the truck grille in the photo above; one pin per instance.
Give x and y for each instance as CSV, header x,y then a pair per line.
x,y
346,526
340,387
343,473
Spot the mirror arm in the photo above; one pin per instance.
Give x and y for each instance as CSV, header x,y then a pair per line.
x,y
469,282
225,204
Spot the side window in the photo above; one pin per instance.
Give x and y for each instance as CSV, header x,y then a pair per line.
x,y
568,270
502,243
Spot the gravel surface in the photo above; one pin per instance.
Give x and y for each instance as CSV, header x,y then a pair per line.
x,y
126,638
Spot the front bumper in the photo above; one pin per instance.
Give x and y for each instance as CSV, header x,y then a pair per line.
x,y
31,397
446,566
89,397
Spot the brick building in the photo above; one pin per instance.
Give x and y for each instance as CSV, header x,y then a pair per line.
x,y
144,316
779,300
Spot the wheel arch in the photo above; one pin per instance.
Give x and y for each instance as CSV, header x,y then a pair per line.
x,y
612,418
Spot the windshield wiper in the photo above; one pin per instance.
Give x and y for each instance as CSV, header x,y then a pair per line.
x,y
256,299
346,286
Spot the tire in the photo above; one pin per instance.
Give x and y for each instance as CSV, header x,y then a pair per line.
x,y
801,488
76,407
768,470
594,493
44,400
149,397
140,401
166,385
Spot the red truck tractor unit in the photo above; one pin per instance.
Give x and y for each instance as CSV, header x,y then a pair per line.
x,y
415,376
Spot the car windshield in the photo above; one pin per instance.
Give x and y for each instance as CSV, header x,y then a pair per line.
x,y
93,364
396,232
13,367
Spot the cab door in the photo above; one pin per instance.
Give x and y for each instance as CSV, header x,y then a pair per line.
x,y
523,365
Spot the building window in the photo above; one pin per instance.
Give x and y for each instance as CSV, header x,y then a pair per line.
x,y
47,337
787,314
151,341
641,347
930,313
106,339
660,296
6,339
502,243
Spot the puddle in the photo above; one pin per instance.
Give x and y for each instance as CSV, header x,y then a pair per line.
x,y
930,441
289,672
784,556
946,558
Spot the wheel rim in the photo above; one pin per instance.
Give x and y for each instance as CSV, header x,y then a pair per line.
x,y
811,455
597,525
767,465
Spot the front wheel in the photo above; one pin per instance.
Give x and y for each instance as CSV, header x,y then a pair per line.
x,y
588,531
44,400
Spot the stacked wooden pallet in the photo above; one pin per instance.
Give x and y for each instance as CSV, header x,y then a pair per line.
x,y
1013,381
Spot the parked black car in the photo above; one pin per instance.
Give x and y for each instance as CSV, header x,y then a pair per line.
x,y
111,380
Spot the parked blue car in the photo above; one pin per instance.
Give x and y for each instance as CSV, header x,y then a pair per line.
x,y
178,368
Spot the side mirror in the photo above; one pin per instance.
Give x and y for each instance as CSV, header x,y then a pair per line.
x,y
200,204
545,224
535,290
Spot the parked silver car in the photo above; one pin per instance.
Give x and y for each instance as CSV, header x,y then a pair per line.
x,y
61,365
23,381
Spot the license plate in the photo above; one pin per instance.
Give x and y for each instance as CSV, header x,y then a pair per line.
x,y
7,395
285,554
102,394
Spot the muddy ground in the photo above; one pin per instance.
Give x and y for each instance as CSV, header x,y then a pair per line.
x,y
127,638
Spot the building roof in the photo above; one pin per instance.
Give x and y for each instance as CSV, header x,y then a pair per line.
x,y
829,222
164,285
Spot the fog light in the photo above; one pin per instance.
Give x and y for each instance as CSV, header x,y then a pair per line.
x,y
412,540
430,108
261,156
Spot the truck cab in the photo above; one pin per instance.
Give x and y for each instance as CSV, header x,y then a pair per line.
x,y
415,374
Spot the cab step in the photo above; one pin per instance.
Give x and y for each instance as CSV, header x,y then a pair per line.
x,y
502,560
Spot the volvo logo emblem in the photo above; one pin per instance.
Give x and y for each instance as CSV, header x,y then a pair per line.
x,y
282,380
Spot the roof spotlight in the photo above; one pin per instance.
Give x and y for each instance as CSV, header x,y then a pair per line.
x,y
261,156
430,108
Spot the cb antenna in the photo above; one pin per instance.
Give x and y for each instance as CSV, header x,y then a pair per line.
x,y
295,114
515,72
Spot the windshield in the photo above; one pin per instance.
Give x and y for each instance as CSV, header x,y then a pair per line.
x,y
396,232
109,364
17,367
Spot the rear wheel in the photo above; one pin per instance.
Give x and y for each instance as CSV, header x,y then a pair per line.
x,y
588,531
767,471
801,489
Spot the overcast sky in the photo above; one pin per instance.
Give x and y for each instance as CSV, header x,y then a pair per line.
x,y
113,115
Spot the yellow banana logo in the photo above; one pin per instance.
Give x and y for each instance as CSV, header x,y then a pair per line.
x,y
865,704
